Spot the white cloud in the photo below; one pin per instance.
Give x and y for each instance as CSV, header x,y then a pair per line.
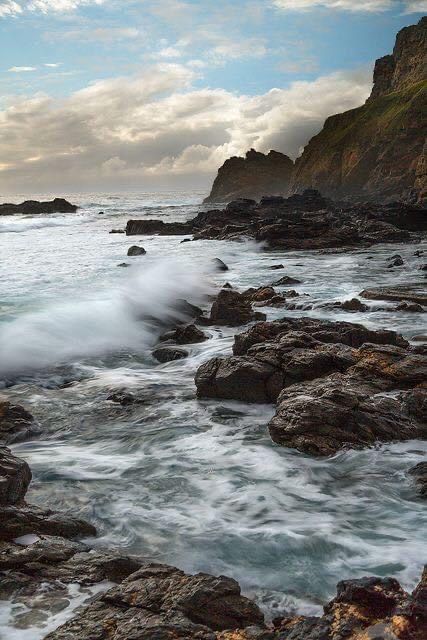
x,y
22,69
347,5
9,8
416,6
52,65
157,128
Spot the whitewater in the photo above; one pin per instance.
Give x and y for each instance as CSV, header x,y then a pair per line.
x,y
193,483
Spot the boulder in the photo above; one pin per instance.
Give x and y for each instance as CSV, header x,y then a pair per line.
x,y
169,354
15,477
136,251
419,474
220,265
186,334
231,308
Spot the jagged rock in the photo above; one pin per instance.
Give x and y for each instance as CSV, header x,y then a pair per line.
x,y
157,227
419,473
16,423
410,307
15,477
136,251
285,281
353,305
169,354
187,334
231,308
34,207
220,265
23,519
252,177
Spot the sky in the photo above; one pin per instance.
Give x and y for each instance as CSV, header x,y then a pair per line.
x,y
116,95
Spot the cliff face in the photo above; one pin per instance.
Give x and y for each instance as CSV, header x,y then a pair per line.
x,y
378,150
252,177
375,152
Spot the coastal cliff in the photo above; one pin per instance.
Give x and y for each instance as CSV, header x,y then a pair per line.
x,y
375,152
252,177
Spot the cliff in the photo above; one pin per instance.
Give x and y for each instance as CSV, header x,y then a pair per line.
x,y
252,177
375,152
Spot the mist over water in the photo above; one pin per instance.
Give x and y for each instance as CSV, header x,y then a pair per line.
x,y
198,484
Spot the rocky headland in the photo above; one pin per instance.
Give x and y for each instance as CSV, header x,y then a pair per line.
x,y
376,152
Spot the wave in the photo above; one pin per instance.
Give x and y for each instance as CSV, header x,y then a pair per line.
x,y
22,225
102,322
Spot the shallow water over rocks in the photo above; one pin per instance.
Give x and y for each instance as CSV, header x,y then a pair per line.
x,y
193,483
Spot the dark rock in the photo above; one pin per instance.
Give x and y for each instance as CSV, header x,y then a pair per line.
x,y
22,519
231,308
15,477
136,251
117,231
353,305
185,240
122,397
414,292
251,177
423,267
395,261
158,227
16,423
187,334
124,264
285,281
34,207
274,267
410,307
418,253
168,354
220,265
419,473
101,213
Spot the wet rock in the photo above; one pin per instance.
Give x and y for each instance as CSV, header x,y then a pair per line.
x,y
231,308
34,207
15,477
16,423
117,231
23,519
136,251
419,473
158,227
159,601
423,267
46,550
354,305
187,334
285,281
220,265
124,264
415,292
395,261
274,267
122,397
185,240
410,307
169,354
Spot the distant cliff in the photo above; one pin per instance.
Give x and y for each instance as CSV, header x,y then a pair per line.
x,y
375,152
252,177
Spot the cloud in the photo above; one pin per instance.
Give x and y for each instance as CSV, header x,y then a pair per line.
x,y
52,65
158,129
416,6
346,5
22,69
9,8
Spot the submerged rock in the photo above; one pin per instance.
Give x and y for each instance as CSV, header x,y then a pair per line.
x,y
186,334
419,473
169,354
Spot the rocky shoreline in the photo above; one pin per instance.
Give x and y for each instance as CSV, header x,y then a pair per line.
x,y
34,207
307,221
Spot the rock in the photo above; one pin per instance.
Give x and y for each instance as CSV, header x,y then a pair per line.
x,y
168,354
415,292
418,253
356,155
252,177
410,307
396,261
124,264
419,473
158,227
136,251
231,308
16,423
15,477
46,550
423,267
122,397
285,281
353,305
186,334
185,240
159,601
117,231
34,207
220,265
274,267
101,213
20,520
